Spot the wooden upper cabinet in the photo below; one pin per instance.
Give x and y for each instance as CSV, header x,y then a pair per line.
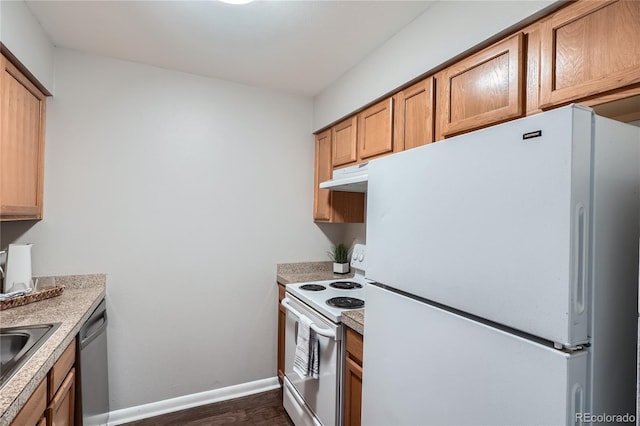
x,y
413,116
589,48
375,130
532,77
483,89
22,108
344,141
323,168
332,206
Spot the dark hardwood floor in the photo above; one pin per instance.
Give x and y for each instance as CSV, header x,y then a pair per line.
x,y
259,409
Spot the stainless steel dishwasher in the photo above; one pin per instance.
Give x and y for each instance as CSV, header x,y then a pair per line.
x,y
94,371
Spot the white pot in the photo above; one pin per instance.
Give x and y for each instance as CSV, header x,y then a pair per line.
x,y
340,268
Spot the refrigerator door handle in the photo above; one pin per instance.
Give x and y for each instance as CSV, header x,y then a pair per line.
x,y
579,263
577,403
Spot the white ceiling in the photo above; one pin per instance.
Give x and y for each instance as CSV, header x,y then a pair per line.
x,y
299,47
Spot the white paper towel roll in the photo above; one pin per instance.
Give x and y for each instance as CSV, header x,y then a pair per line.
x,y
18,267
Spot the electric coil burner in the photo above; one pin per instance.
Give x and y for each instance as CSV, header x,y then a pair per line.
x,y
313,287
345,285
346,302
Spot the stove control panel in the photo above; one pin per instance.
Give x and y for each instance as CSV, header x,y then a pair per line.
x,y
358,257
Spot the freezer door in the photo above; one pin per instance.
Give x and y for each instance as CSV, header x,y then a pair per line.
x,y
426,366
494,223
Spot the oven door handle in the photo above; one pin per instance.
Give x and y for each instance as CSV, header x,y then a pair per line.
x,y
321,331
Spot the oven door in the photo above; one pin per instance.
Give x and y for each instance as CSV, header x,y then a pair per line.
x,y
322,396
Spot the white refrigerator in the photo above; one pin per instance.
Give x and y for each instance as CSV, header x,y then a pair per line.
x,y
505,264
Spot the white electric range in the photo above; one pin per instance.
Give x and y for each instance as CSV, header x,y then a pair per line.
x,y
318,401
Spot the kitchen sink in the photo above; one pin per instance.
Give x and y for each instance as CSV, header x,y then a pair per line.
x,y
18,344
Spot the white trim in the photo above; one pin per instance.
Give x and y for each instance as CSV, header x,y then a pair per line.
x,y
157,408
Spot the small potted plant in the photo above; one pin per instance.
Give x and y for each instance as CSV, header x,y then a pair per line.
x,y
340,257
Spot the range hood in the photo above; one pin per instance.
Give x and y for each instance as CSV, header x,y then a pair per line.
x,y
349,179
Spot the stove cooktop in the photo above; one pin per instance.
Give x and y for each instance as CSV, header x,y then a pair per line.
x,y
317,294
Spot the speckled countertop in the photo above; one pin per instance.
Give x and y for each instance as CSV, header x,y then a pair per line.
x,y
307,271
80,297
289,273
354,319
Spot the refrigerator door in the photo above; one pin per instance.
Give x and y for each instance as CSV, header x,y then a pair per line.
x,y
426,366
494,223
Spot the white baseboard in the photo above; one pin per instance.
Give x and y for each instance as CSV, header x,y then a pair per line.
x,y
144,411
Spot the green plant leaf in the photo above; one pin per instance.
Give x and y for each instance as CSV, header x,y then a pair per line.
x,y
340,253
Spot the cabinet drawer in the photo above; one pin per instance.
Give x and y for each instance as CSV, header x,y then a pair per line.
x,y
62,366
354,345
33,410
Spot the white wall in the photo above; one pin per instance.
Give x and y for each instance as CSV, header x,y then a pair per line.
x,y
187,192
25,38
443,31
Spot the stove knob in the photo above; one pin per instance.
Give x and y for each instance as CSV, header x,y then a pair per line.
x,y
360,257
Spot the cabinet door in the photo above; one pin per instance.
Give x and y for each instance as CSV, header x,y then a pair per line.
x,y
32,411
375,130
345,142
333,206
352,393
589,48
22,107
62,406
483,89
323,169
532,60
414,116
347,207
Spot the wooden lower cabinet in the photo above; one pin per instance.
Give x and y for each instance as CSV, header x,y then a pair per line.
x,y
352,399
282,324
62,407
53,402
33,411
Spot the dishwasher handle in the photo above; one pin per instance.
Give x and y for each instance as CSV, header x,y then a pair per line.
x,y
95,325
